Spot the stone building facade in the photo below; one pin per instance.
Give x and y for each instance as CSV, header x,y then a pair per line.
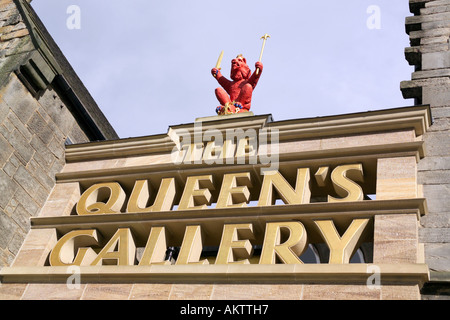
x,y
429,53
43,106
58,150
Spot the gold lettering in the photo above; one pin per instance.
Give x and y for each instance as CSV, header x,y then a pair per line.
x,y
228,150
341,248
232,195
342,177
196,194
301,194
321,175
288,251
247,146
191,247
91,201
119,250
194,153
231,248
212,152
141,193
156,247
64,250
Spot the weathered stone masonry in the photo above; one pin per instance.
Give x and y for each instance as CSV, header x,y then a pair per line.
x,y
429,32
38,114
44,105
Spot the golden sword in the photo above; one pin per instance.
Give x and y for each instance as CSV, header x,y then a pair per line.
x,y
219,61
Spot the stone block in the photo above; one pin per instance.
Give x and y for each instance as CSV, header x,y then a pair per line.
x,y
7,229
40,173
56,146
12,291
17,123
19,99
30,185
9,169
56,110
21,146
299,146
191,291
435,3
436,60
400,292
434,235
429,33
435,195
396,178
441,112
339,292
436,220
434,177
42,154
435,9
95,291
39,126
437,95
440,124
428,74
7,189
21,217
61,200
150,291
367,139
395,239
22,197
437,256
36,248
52,291
437,144
6,150
257,291
16,242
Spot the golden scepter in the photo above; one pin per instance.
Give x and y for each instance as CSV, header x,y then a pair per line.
x,y
262,49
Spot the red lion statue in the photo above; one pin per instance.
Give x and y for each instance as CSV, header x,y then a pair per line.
x,y
236,96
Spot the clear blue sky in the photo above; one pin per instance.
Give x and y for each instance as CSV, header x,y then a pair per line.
x,y
147,63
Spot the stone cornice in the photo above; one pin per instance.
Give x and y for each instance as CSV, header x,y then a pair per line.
x,y
417,118
227,273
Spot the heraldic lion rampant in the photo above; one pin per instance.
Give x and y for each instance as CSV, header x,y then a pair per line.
x,y
236,95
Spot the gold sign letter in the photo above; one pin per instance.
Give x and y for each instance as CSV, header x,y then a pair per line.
x,y
344,186
341,248
155,249
125,253
193,196
301,194
287,252
141,193
232,195
231,248
91,201
192,247
64,250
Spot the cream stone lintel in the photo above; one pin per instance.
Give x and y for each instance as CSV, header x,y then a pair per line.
x,y
361,154
417,118
212,220
280,273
